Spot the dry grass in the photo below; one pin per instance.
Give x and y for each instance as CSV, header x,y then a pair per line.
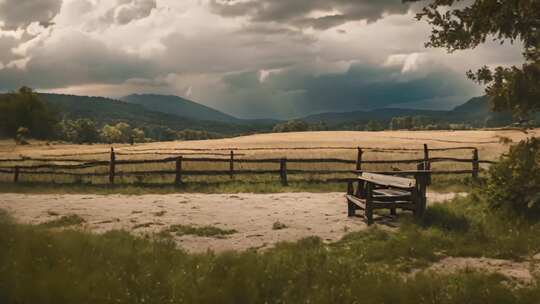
x,y
488,142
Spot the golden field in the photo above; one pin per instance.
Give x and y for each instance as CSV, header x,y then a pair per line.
x,y
407,145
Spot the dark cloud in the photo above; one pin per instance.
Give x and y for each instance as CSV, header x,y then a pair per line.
x,y
76,59
295,93
222,51
20,13
299,13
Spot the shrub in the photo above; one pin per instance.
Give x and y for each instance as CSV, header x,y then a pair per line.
x,y
279,226
138,135
206,231
374,125
291,126
64,221
79,131
111,134
514,183
22,135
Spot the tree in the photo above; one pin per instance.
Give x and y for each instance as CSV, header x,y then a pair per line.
x,y
79,131
514,183
459,26
292,126
401,123
24,108
111,134
125,131
374,125
138,135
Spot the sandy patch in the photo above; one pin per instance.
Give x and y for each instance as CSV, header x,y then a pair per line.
x,y
252,215
520,272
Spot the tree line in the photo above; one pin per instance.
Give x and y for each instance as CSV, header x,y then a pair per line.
x,y
24,115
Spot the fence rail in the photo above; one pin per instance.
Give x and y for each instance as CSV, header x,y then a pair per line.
x,y
54,169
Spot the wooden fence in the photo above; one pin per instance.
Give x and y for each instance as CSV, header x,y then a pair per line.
x,y
178,171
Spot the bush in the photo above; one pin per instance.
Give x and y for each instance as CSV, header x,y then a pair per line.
x,y
292,126
138,135
22,134
79,131
111,134
374,125
514,183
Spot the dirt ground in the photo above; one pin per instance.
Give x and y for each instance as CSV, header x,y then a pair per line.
x,y
252,215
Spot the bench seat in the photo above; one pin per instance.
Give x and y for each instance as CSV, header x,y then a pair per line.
x,y
376,191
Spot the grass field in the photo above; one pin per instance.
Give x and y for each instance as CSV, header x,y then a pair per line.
x,y
460,252
39,264
270,146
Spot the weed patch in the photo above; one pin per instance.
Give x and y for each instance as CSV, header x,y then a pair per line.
x,y
279,226
64,221
206,231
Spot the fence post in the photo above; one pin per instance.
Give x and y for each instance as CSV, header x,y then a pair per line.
x,y
422,182
231,165
475,164
283,171
16,174
178,179
359,159
112,167
427,164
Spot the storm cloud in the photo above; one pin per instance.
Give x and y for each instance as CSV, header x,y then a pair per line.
x,y
21,13
250,58
296,92
75,59
318,14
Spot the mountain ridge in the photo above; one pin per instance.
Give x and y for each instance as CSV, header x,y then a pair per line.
x,y
139,109
176,105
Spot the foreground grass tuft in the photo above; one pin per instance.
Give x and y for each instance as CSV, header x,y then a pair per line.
x,y
279,226
64,221
206,231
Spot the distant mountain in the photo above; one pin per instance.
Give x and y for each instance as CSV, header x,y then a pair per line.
x,y
365,116
157,112
178,106
476,112
105,110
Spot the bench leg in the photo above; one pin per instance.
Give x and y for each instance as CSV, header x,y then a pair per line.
x,y
351,209
369,208
393,212
369,215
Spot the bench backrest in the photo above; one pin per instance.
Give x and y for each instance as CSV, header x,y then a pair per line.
x,y
388,180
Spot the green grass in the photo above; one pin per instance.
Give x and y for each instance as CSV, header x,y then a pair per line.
x,y
39,265
206,231
440,184
195,187
64,221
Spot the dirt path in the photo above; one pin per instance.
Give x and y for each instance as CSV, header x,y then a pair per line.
x,y
252,215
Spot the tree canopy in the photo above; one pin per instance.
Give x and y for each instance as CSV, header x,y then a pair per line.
x,y
459,25
24,109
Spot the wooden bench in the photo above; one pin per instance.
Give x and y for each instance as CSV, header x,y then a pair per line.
x,y
377,191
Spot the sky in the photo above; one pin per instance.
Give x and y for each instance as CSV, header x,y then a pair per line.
x,y
248,58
